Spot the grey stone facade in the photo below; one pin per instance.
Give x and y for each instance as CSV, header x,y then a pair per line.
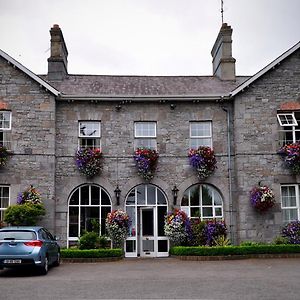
x,y
44,136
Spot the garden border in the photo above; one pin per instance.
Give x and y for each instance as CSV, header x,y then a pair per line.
x,y
236,257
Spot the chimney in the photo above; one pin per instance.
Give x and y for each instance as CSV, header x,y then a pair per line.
x,y
223,62
58,60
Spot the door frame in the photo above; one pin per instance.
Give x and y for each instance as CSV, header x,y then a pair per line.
x,y
148,238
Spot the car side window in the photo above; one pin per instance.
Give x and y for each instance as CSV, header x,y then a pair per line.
x,y
43,234
49,235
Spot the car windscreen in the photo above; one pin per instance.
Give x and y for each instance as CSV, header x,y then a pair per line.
x,y
17,235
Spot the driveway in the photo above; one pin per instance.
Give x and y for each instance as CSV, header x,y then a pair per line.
x,y
166,278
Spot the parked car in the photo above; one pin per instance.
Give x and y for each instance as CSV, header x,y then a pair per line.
x,y
28,246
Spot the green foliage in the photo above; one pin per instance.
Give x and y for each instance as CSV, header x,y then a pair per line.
x,y
280,240
92,253
198,233
92,240
221,240
252,243
26,214
234,250
89,240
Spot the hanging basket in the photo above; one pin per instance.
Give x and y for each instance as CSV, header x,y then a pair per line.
x,y
262,198
203,160
89,161
146,162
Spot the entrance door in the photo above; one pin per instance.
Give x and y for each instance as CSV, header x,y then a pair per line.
x,y
146,206
147,230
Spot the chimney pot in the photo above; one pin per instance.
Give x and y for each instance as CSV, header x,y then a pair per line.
x,y
223,62
58,60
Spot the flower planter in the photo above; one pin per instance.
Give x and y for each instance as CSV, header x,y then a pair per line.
x,y
262,198
89,161
203,160
146,162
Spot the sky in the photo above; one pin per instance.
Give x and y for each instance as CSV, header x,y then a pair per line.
x,y
148,37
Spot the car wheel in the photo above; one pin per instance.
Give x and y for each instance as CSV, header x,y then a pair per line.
x,y
45,267
57,262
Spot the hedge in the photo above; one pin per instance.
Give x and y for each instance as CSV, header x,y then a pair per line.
x,y
234,250
91,253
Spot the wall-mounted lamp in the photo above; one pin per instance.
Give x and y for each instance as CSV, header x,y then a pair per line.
x,y
172,106
117,193
175,191
118,107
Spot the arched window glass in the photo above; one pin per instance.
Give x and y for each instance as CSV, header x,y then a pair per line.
x,y
202,201
88,205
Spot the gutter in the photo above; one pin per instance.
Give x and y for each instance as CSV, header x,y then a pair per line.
x,y
130,98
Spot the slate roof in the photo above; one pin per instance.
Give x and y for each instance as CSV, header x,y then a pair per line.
x,y
135,86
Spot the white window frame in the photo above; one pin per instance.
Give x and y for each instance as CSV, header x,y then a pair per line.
x,y
2,209
96,137
6,131
9,113
289,133
284,117
139,137
297,195
89,205
201,206
197,137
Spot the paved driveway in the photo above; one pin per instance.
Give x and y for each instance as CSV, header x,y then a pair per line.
x,y
166,278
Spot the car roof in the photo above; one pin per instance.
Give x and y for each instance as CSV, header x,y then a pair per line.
x,y
30,228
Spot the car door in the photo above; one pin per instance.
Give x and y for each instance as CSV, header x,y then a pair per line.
x,y
53,246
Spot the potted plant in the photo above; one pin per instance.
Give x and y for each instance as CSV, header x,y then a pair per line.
x,y
203,160
291,156
146,162
4,155
262,198
117,225
178,227
89,161
27,211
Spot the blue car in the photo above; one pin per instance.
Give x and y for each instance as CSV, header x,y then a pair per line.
x,y
28,246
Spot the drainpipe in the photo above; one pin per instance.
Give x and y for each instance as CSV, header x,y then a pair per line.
x,y
232,235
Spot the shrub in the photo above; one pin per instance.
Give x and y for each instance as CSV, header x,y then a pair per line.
x,y
89,240
27,211
91,253
291,231
26,214
213,230
251,243
280,240
198,234
234,250
221,241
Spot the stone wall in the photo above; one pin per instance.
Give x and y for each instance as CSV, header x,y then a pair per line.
x,y
117,141
256,141
32,137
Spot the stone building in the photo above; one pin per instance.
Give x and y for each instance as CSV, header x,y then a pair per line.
x,y
44,119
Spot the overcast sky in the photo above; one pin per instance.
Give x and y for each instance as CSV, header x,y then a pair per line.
x,y
148,37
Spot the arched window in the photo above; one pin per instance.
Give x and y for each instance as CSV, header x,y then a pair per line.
x,y
88,204
202,201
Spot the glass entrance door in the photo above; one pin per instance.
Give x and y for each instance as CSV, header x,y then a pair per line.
x,y
147,238
146,206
